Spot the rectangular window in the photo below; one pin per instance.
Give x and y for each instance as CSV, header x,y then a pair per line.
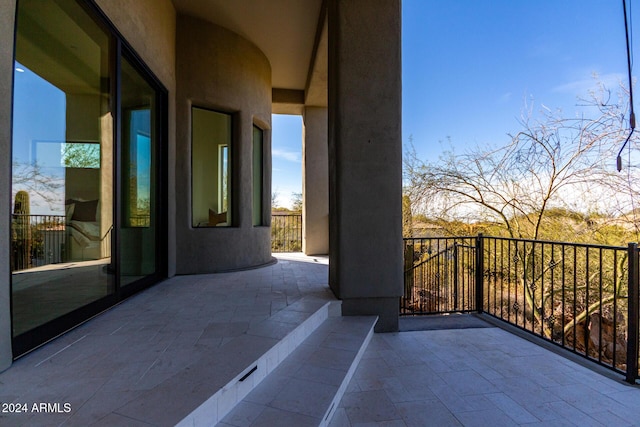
x,y
258,179
210,168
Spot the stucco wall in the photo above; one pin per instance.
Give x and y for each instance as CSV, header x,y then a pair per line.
x,y
315,182
149,26
7,21
221,71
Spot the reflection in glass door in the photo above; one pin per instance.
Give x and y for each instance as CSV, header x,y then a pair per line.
x,y
87,124
138,182
62,177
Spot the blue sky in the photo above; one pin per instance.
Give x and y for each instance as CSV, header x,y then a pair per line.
x,y
469,66
286,152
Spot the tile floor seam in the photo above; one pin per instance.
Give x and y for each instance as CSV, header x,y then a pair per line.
x,y
128,417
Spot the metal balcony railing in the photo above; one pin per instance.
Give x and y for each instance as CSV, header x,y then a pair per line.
x,y
36,240
39,240
581,297
286,232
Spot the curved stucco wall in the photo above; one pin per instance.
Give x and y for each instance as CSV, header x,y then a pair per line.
x,y
220,70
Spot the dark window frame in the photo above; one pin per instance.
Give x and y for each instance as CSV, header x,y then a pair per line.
x,y
233,178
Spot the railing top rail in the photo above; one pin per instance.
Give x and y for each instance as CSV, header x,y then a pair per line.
x,y
39,215
533,241
554,242
437,254
439,238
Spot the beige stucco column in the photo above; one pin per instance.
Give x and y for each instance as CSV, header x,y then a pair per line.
x,y
315,182
365,157
7,22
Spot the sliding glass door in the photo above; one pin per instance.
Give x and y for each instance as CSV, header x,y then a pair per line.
x,y
87,135
138,183
62,180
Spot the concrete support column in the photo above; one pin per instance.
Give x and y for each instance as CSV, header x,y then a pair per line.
x,y
365,157
315,182
7,23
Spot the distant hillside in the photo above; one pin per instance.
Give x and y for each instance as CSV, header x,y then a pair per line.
x,y
556,225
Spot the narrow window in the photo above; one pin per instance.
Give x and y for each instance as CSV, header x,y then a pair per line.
x,y
258,179
210,168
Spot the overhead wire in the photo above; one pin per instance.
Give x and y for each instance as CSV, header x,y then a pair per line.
x,y
628,29
632,116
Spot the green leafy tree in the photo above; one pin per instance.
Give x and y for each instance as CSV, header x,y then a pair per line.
x,y
81,155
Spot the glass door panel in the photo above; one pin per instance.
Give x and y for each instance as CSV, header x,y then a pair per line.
x,y
138,185
62,174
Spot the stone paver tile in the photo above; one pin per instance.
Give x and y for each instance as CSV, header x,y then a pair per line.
x,y
565,411
167,403
608,418
332,358
115,420
369,406
340,419
319,374
391,423
456,403
526,393
305,397
417,378
341,341
426,413
100,405
514,410
585,398
372,368
244,414
630,397
467,382
271,417
268,389
271,329
485,418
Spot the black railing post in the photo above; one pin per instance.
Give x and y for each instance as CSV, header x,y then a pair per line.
x,y
455,276
409,249
632,304
479,273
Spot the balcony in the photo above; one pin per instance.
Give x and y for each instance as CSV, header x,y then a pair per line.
x,y
268,347
581,297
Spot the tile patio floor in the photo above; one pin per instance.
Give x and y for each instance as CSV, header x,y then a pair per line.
x,y
152,359
478,377
156,357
